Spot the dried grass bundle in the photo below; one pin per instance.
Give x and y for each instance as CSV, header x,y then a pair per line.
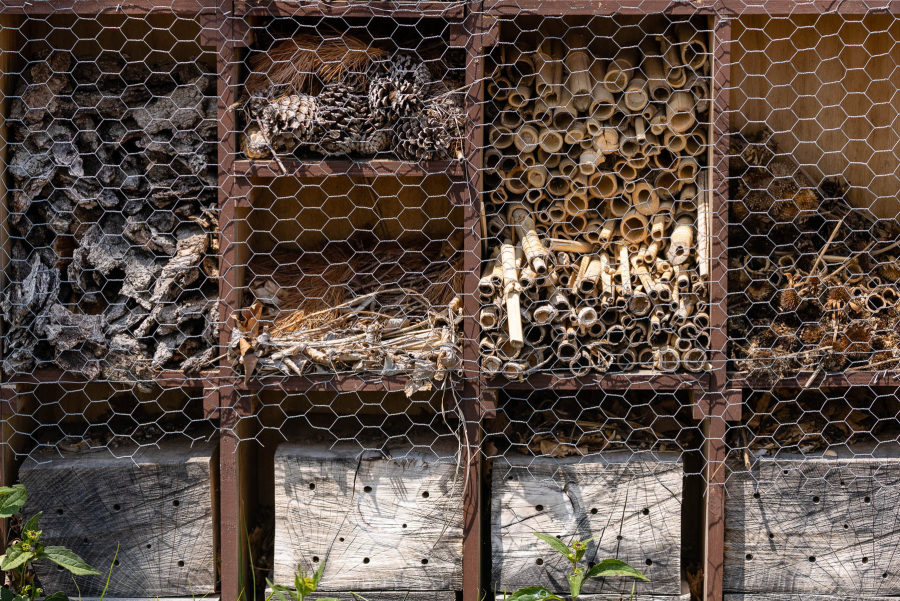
x,y
306,60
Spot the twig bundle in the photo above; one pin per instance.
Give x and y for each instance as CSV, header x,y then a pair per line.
x,y
597,209
827,300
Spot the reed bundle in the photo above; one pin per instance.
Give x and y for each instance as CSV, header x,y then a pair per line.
x,y
828,301
597,209
357,312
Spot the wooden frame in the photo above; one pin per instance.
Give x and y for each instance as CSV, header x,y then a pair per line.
x,y
717,398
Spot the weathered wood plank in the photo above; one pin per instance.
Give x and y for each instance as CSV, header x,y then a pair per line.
x,y
381,523
156,505
389,595
630,503
820,525
804,597
627,597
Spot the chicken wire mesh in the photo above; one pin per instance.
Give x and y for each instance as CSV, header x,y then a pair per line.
x,y
406,246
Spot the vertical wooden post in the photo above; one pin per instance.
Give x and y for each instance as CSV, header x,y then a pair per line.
x,y
715,451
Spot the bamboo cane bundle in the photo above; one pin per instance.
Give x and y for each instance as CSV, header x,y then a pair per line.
x,y
598,242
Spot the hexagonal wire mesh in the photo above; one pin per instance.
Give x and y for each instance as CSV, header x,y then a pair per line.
x,y
623,277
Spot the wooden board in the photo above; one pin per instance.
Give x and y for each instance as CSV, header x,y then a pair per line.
x,y
820,525
627,597
381,523
633,496
771,597
392,595
157,505
826,84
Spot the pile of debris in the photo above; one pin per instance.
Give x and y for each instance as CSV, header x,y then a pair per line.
x,y
368,314
379,102
815,286
112,217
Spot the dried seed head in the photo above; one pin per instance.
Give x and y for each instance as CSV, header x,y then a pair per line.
x,y
889,270
788,300
760,291
812,334
806,200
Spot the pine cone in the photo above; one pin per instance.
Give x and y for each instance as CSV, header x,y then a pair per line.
x,y
289,113
343,117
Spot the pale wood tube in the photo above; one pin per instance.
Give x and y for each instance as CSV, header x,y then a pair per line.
x,y
499,195
511,118
687,169
537,198
558,184
628,144
535,253
576,133
658,123
500,137
624,271
526,139
489,317
645,199
603,102
633,227
511,292
578,64
640,130
675,74
604,184
520,66
557,212
564,114
567,167
625,171
507,163
621,69
699,89
492,157
579,187
657,84
527,112
667,184
607,141
551,141
498,87
549,79
592,127
575,225
696,142
543,113
592,233
587,163
636,97
588,283
576,205
527,159
680,112
694,53
666,160
608,231
548,160
674,142
536,176
681,240
513,180
520,96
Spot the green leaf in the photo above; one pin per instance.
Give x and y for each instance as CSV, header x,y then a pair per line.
x,y
32,525
68,560
575,582
12,498
318,575
556,544
532,593
276,590
6,594
613,567
15,556
60,596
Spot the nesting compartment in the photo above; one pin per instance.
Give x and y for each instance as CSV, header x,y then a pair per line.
x,y
629,502
387,520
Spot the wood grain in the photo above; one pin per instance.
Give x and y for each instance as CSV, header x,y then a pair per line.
x,y
630,503
381,523
771,597
817,525
157,505
827,86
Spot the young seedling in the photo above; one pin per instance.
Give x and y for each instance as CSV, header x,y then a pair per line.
x,y
304,585
20,553
574,552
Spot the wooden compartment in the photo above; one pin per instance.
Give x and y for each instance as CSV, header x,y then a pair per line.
x,y
384,520
133,471
631,504
814,525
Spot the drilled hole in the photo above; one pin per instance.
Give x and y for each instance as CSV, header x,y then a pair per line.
x,y
404,525
116,562
846,526
646,511
812,558
749,556
176,503
312,486
594,511
648,561
867,500
865,560
756,495
425,495
539,507
816,500
59,512
367,489
539,561
771,536
315,559
365,560
620,537
149,546
180,564
116,507
341,539
424,562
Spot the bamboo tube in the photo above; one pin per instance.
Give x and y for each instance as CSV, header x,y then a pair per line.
x,y
603,183
549,79
645,199
550,141
520,96
575,205
511,292
511,118
666,160
680,112
624,170
633,227
587,162
547,159
528,279
520,67
489,317
499,196
490,364
681,240
557,212
658,227
578,65
628,144
592,127
576,133
653,66
637,333
588,284
545,314
594,228
526,139
624,271
500,137
508,162
696,142
575,225
603,102
674,142
608,230
492,157
490,282
557,245
567,167
694,360
618,206
536,176
527,112
499,88
513,181
699,89
527,159
542,112
687,169
564,113
607,290
607,141
639,269
675,73
636,94
668,359
667,184
621,69
694,53
582,269
534,196
658,124
535,253
640,304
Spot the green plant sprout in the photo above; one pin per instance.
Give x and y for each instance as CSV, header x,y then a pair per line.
x,y
304,585
21,553
574,552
